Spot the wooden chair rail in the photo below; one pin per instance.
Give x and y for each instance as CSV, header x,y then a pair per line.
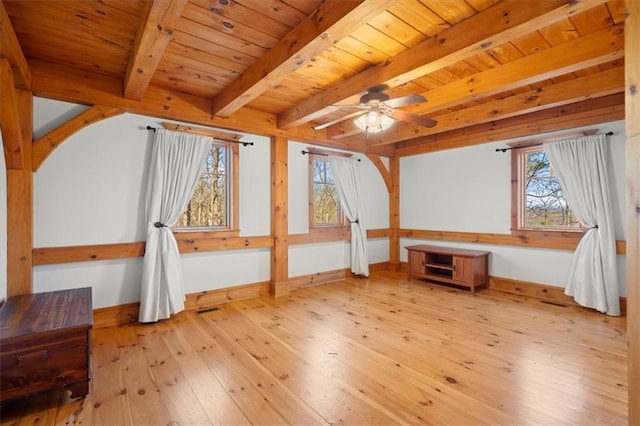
x,y
86,253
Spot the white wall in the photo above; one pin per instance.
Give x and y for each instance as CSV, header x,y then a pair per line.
x,y
91,191
3,225
310,258
468,190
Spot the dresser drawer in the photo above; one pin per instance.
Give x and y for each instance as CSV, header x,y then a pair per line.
x,y
47,365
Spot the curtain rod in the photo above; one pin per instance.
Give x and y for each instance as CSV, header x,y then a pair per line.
x,y
318,153
214,137
514,147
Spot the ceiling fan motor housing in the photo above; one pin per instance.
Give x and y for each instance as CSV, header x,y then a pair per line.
x,y
373,97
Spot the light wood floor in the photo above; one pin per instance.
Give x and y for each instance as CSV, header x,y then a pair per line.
x,y
361,351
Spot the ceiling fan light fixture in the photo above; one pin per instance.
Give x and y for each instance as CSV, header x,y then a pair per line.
x,y
373,122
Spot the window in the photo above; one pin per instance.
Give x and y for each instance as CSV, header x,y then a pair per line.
x,y
538,201
324,204
212,203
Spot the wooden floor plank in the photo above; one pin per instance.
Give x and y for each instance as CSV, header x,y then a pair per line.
x,y
185,408
217,403
109,404
245,393
381,350
140,387
248,363
386,384
334,401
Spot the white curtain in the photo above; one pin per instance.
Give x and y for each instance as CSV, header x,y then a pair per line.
x,y
582,170
347,180
177,160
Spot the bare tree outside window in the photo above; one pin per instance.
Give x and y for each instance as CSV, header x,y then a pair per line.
x,y
326,206
544,203
209,206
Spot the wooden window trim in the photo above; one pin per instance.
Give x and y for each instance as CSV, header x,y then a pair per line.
x,y
233,229
315,153
517,199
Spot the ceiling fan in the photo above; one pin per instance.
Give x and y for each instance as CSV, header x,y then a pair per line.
x,y
377,112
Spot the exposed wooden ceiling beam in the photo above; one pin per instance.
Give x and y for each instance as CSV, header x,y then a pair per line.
x,y
508,20
11,50
331,22
154,33
201,131
593,111
71,85
593,49
10,119
45,145
589,87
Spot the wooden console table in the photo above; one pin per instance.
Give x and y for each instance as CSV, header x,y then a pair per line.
x,y
467,268
45,343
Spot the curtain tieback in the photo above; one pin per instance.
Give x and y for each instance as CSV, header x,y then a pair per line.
x,y
354,221
594,227
159,225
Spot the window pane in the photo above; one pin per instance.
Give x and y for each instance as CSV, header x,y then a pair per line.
x,y
326,208
544,203
208,205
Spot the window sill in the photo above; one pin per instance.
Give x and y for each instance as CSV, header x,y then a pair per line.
x,y
328,228
189,234
550,233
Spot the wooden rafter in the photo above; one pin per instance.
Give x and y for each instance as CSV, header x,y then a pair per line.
x,y
591,50
332,21
472,36
589,87
200,131
153,35
63,83
592,111
45,145
594,49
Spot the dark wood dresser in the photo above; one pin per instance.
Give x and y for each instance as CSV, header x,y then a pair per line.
x,y
45,343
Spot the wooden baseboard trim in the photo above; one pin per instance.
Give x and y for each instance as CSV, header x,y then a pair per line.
x,y
209,298
547,293
128,313
116,315
317,279
330,276
544,292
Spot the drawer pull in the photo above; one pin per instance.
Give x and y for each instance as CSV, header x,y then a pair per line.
x,y
32,357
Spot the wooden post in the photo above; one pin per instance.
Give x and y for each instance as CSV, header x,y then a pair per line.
x,y
394,213
632,154
16,124
20,207
279,219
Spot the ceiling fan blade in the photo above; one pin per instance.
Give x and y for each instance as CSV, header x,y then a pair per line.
x,y
339,120
404,101
408,117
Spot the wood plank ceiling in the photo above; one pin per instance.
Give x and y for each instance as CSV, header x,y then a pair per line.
x,y
292,61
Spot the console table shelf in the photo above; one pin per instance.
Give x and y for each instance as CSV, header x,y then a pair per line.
x,y
467,268
45,343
